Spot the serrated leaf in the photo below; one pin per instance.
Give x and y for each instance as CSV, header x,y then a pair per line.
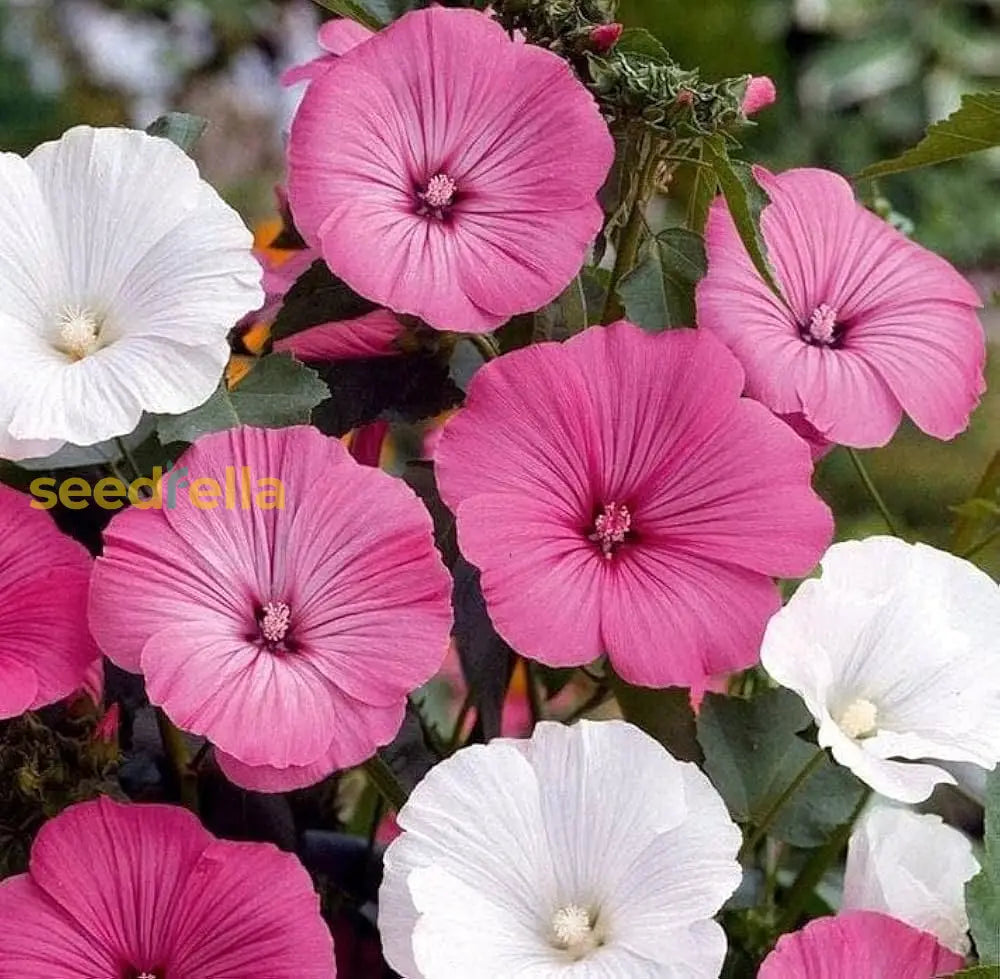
x,y
279,391
316,297
181,128
636,40
753,754
746,200
982,893
659,292
973,127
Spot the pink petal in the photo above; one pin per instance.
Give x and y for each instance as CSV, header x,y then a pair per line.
x,y
371,335
859,945
761,92
340,35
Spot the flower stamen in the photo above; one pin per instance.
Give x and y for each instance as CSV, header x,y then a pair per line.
x,y
859,719
274,622
79,332
573,931
611,526
823,328
438,196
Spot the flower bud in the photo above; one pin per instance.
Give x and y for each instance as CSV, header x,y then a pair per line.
x,y
604,37
760,93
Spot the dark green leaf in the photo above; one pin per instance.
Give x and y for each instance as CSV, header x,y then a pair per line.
x,y
665,715
317,296
973,127
703,192
659,292
580,305
179,127
635,40
371,13
753,753
982,893
278,391
976,972
746,200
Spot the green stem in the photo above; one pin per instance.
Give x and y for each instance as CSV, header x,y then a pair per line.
x,y
816,866
982,545
485,344
463,715
751,843
583,301
384,779
126,452
873,492
180,761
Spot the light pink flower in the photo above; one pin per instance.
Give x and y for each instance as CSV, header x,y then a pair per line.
x,y
126,892
446,171
619,496
372,335
288,637
874,324
46,651
760,93
336,37
859,945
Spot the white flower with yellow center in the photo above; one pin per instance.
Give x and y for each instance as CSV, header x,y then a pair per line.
x,y
121,272
586,852
896,652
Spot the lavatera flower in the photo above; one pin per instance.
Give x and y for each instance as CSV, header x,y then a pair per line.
x,y
896,652
586,852
121,272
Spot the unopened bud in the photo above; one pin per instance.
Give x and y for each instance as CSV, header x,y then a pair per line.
x,y
605,36
760,93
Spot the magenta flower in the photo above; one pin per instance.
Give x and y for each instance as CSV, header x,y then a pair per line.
x,y
289,637
620,497
874,324
335,37
372,335
761,93
144,892
859,945
446,171
46,652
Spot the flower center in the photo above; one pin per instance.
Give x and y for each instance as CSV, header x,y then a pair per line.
x,y
611,526
133,972
438,196
823,329
859,719
79,332
573,931
274,620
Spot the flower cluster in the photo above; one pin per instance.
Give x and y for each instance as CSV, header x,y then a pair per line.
x,y
611,523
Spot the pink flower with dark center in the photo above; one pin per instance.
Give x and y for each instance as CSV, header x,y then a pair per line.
x,y
619,496
871,325
292,636
859,945
144,892
760,93
336,37
449,172
46,651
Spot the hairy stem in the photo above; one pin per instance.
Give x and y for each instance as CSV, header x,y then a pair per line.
x,y
384,779
874,493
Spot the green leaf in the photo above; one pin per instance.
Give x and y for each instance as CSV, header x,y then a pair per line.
x,y
636,40
752,755
659,292
371,13
973,127
703,191
976,972
278,391
180,128
977,510
579,305
746,199
982,893
665,715
318,296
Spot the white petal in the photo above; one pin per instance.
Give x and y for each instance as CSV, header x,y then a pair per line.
x,y
914,868
105,394
31,265
146,241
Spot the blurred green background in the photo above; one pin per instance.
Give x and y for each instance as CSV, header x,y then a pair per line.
x,y
858,80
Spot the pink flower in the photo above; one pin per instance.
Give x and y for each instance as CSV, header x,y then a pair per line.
x,y
127,892
619,496
760,93
449,172
605,36
336,37
874,324
46,652
372,335
289,637
859,945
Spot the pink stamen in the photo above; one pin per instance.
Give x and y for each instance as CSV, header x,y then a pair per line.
x,y
823,324
440,193
274,623
610,528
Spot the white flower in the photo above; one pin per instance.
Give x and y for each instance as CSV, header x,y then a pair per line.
x,y
587,852
121,272
914,868
896,653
